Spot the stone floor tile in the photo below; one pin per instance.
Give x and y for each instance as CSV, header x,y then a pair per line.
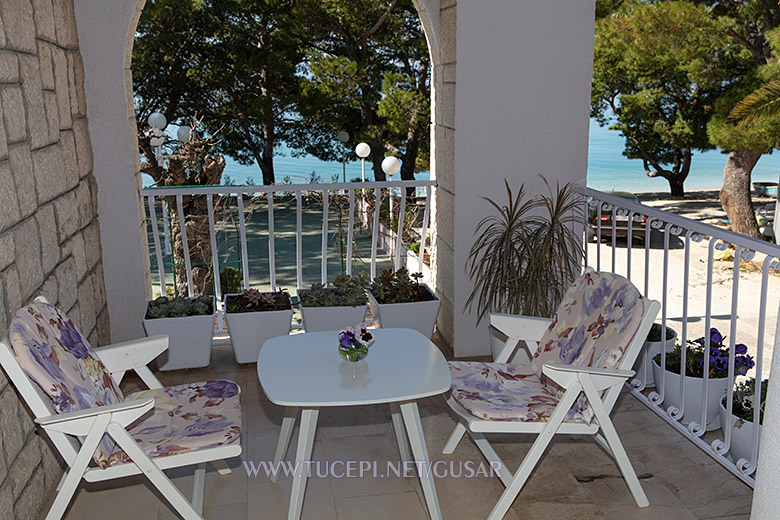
x,y
391,506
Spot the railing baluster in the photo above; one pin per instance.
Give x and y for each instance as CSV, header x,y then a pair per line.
x,y
399,238
375,230
324,236
156,237
214,250
185,245
298,239
598,236
614,236
424,232
350,231
271,241
242,235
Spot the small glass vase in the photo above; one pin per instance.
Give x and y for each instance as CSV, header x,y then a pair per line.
x,y
353,353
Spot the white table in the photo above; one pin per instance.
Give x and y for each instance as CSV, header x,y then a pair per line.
x,y
305,371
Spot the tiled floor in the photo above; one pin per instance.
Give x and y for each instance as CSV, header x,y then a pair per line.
x,y
575,479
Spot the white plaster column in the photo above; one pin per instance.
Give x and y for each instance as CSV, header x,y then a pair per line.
x,y
524,72
106,30
766,499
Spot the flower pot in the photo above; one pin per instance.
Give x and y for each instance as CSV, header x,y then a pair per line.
x,y
420,316
741,445
652,348
249,330
694,392
189,340
318,319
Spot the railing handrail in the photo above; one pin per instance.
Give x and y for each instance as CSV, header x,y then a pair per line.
x,y
158,191
746,242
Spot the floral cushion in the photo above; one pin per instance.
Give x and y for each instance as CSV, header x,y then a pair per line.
x,y
594,324
505,392
186,418
52,351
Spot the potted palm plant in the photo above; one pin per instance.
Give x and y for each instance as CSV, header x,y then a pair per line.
x,y
189,324
335,305
742,417
254,317
525,256
695,361
398,299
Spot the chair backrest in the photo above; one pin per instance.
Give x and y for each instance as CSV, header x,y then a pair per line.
x,y
51,351
596,321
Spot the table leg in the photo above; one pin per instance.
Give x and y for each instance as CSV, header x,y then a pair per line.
x,y
302,461
400,433
414,429
288,423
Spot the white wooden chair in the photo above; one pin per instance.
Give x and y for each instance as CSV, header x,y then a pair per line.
x,y
582,358
72,390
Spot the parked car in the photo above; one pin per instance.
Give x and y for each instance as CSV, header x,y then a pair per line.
x,y
621,222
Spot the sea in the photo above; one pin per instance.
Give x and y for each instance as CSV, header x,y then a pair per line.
x,y
608,169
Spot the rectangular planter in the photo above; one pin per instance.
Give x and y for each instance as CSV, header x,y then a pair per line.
x,y
249,330
318,319
420,316
189,340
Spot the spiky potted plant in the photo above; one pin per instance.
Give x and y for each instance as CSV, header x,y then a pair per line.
x,y
189,324
525,257
398,299
254,317
334,305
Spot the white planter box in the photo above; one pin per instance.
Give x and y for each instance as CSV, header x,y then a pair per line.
x,y
420,316
318,319
189,340
741,434
249,330
694,392
653,348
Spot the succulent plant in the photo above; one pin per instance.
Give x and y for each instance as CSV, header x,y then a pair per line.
x,y
399,287
180,306
252,300
344,291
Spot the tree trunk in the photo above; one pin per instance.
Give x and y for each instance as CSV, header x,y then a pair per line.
x,y
735,195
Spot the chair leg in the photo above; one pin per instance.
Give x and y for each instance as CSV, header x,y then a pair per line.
x,y
621,457
221,467
153,473
454,439
199,488
72,478
288,424
492,457
400,433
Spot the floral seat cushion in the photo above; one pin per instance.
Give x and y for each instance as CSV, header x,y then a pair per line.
x,y
54,354
504,392
596,321
186,418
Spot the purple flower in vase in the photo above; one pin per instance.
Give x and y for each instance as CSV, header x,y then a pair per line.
x,y
346,339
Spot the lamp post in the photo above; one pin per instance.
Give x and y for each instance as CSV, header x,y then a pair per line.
x,y
363,150
157,122
391,165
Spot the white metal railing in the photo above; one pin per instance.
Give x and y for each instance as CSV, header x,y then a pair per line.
x,y
695,296
157,197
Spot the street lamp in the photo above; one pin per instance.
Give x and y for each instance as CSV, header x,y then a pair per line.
x,y
391,165
363,150
184,134
157,121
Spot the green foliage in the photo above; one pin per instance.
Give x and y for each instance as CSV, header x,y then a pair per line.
x,y
229,280
655,333
658,70
180,306
744,399
252,300
525,257
399,287
344,291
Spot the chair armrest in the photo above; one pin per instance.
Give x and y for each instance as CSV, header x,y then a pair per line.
x,y
520,327
78,422
132,354
602,378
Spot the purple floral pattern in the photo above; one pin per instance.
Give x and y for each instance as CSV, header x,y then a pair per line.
x,y
597,319
186,418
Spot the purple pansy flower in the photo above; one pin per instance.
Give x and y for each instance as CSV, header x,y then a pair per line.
x,y
715,336
220,389
740,348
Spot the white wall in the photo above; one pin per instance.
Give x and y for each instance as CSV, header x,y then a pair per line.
x,y
103,29
522,104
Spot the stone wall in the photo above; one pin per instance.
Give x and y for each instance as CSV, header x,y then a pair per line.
x,y
49,232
